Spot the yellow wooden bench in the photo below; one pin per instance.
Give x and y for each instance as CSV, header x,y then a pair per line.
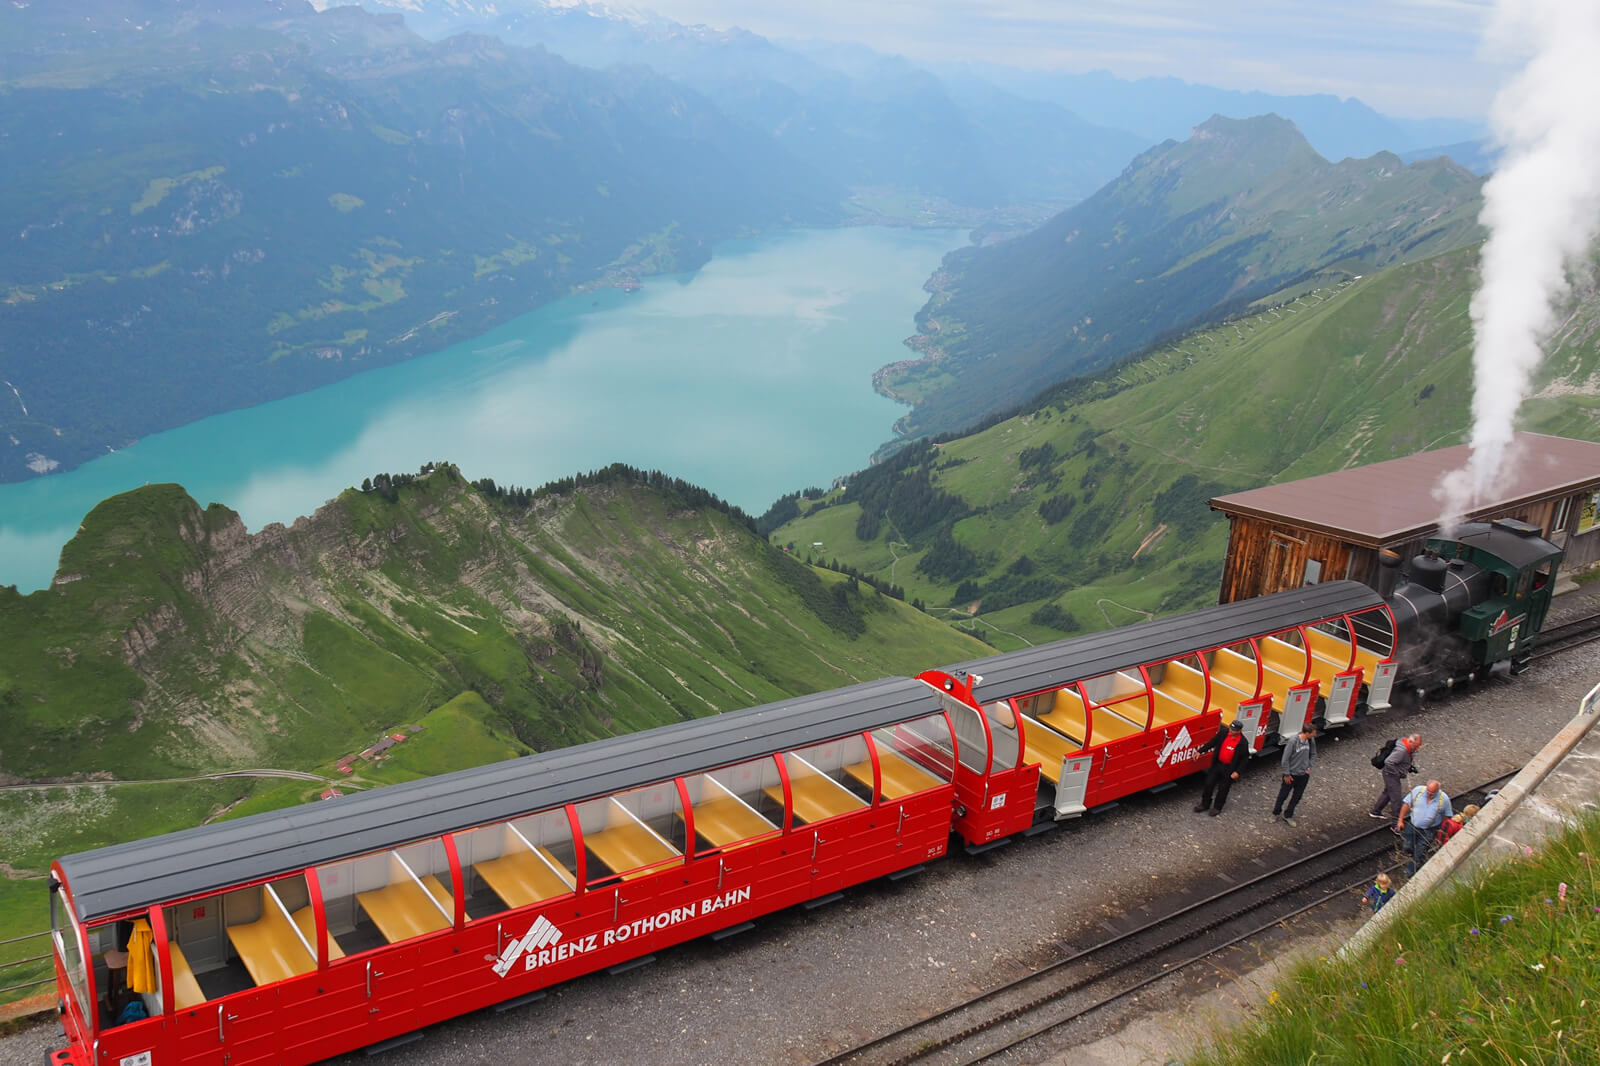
x,y
306,921
1047,748
817,797
1066,716
901,777
1235,671
270,947
1329,649
185,989
1180,695
402,910
1109,726
726,821
520,877
1287,659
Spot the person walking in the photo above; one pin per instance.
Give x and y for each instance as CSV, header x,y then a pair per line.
x,y
1232,752
1295,766
1395,769
1427,806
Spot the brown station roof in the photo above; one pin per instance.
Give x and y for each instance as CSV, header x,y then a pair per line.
x,y
1392,502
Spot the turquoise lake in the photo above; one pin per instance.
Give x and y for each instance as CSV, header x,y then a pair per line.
x,y
751,377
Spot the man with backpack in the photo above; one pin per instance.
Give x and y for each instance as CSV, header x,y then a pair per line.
x,y
1395,765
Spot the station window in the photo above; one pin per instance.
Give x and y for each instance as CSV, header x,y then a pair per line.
x,y
735,805
634,833
517,863
385,897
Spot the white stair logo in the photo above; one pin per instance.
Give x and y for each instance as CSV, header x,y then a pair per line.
x,y
541,934
1180,740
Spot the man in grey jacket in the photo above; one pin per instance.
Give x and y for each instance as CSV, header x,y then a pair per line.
x,y
1295,766
1395,769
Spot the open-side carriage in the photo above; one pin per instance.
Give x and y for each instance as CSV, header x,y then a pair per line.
x,y
291,936
1079,723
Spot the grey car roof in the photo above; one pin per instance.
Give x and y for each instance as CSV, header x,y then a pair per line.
x,y
118,879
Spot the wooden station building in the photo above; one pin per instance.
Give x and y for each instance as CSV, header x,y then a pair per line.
x,y
1334,525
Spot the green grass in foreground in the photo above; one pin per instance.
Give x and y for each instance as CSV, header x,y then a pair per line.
x,y
1504,970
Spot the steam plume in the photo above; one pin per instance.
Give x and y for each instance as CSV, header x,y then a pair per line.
x,y
1542,210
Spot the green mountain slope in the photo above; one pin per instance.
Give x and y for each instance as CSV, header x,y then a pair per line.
x,y
173,642
1089,509
1187,234
215,205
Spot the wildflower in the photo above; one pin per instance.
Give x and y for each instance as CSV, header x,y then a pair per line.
x,y
1561,892
1364,984
1527,852
1473,930
1536,967
1399,960
1272,996
1504,918
1547,899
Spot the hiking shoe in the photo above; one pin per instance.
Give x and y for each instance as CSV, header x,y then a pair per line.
x,y
1371,815
1290,822
1214,811
1198,807
1274,817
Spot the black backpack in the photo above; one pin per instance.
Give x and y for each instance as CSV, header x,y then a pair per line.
x,y
1383,753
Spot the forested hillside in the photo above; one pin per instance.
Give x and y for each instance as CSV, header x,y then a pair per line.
x,y
1188,234
215,205
1087,508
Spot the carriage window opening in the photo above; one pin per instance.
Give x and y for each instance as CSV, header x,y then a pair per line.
x,y
1178,689
1541,577
1330,643
1524,583
820,787
127,978
1122,693
385,897
928,743
907,763
972,746
240,939
1003,728
516,863
731,807
632,834
64,931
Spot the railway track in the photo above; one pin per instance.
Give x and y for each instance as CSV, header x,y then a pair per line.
x,y
1083,981
1567,636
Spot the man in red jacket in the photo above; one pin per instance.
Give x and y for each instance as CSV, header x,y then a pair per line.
x,y
1232,752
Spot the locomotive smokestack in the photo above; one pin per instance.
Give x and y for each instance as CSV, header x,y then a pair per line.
x,y
1428,571
1388,572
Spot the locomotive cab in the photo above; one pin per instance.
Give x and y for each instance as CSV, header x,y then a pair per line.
x,y
1521,569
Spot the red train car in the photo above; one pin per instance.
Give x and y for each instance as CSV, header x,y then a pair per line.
x,y
1080,723
292,936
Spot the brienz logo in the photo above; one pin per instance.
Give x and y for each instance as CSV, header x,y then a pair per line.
x,y
542,933
1505,621
1178,748
542,945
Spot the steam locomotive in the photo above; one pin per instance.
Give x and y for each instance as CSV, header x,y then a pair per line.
x,y
1471,604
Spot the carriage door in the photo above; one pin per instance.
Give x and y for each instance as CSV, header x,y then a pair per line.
x,y
1252,715
1074,783
223,1016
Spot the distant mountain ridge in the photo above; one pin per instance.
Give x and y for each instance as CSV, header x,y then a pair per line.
x,y
226,201
1187,233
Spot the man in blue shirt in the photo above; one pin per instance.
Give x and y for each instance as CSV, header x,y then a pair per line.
x,y
1427,806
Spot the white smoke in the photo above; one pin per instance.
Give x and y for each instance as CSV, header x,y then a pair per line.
x,y
1542,210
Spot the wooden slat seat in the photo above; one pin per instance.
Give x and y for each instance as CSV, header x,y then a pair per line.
x,y
1066,716
269,947
185,989
1047,748
727,821
522,877
1368,661
1235,671
1329,649
901,777
1109,726
1287,659
630,849
1180,695
817,797
306,921
402,910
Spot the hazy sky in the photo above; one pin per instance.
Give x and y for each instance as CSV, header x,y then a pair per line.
x,y
1403,57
